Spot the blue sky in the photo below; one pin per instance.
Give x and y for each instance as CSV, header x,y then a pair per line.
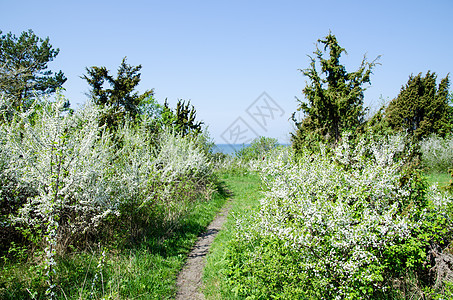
x,y
222,55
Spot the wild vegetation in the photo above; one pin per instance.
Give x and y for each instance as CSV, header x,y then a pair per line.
x,y
347,213
357,223
106,201
119,174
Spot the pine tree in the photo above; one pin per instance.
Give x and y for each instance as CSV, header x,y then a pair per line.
x,y
23,68
335,97
421,108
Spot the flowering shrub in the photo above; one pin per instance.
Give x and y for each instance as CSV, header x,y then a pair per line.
x,y
57,155
79,174
349,224
66,179
231,165
257,149
184,173
181,156
437,153
54,153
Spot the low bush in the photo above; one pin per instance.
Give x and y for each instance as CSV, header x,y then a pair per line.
x,y
355,224
257,149
437,153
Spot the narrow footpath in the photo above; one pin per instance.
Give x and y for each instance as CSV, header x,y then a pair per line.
x,y
189,279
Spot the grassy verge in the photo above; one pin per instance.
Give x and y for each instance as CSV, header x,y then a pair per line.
x,y
246,194
442,179
146,270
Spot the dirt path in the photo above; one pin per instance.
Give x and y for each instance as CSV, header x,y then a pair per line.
x,y
189,280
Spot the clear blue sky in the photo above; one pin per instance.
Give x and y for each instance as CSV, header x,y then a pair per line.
x,y
222,55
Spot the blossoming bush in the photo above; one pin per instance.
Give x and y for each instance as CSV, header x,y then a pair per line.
x,y
231,165
57,155
341,226
258,148
66,180
243,160
437,153
183,174
66,183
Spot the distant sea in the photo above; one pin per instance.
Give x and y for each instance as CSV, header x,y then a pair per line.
x,y
229,148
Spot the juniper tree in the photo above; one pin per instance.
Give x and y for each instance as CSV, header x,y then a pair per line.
x,y
23,68
183,119
121,99
421,108
335,96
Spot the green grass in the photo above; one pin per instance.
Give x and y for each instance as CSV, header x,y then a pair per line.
x,y
442,179
146,270
246,193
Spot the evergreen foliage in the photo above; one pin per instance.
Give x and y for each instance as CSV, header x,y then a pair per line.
x,y
421,108
120,100
182,120
335,96
23,68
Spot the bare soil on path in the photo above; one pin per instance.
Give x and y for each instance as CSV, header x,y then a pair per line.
x,y
189,280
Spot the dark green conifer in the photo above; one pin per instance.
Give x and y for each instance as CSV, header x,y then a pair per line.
x,y
183,120
120,99
421,108
335,96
